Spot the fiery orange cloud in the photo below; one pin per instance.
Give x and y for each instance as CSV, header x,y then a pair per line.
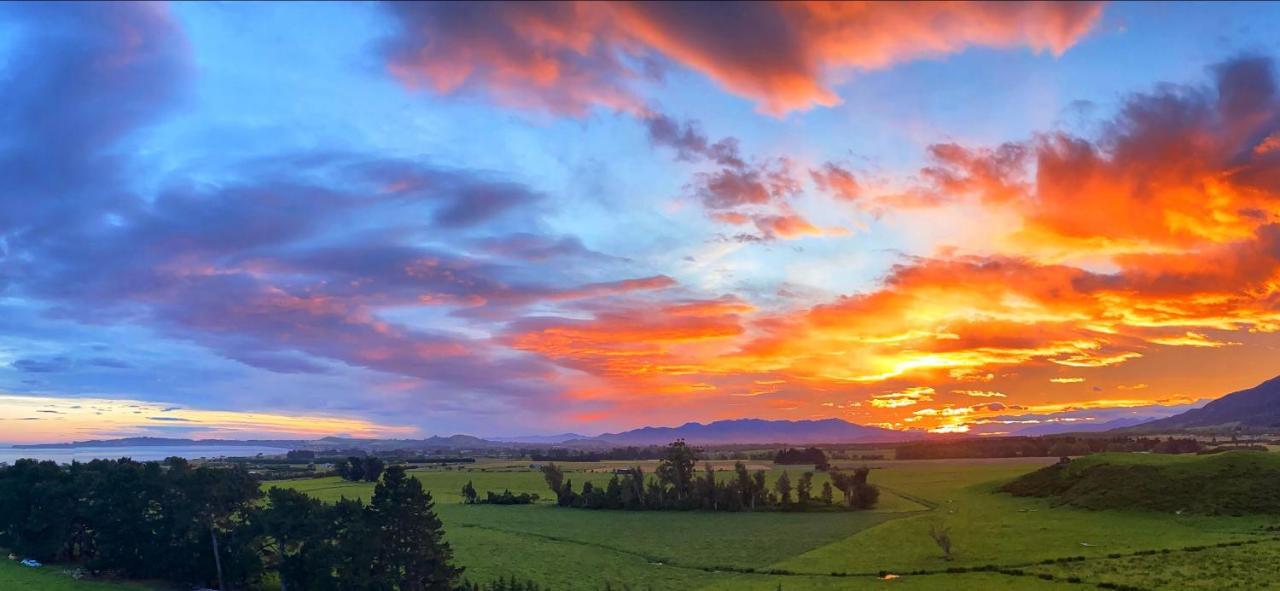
x,y
569,56
981,393
1176,212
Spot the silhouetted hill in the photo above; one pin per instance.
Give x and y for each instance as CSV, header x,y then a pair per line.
x,y
759,431
1255,409
540,439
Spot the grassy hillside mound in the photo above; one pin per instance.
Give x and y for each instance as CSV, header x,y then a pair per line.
x,y
1230,483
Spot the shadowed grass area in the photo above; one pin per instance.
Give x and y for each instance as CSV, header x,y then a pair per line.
x,y
1230,483
52,578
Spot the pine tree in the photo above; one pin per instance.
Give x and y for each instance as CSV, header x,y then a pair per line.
x,y
412,553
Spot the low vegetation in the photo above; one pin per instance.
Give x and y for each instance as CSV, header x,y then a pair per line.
x,y
1229,483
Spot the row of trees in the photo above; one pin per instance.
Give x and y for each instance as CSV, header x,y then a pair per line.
x,y
471,497
808,455
208,526
676,486
356,468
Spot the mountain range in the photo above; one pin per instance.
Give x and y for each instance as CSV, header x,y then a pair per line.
x,y
1255,409
760,431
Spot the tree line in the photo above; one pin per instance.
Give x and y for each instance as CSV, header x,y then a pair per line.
x,y
356,468
676,486
1011,447
647,452
471,497
808,455
206,526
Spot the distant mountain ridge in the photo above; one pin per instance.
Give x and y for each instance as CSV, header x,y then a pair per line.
x,y
760,431
1257,408
559,438
726,432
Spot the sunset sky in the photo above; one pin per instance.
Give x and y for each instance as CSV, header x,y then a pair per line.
x,y
401,220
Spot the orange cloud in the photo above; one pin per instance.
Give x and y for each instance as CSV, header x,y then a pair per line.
x,y
1176,212
566,57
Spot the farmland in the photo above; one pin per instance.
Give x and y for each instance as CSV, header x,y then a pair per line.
x,y
52,578
998,540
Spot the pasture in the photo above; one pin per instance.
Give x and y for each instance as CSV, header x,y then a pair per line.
x,y
53,578
999,541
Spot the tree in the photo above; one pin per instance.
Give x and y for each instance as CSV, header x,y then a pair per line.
x,y
355,542
708,489
804,489
562,488
37,509
676,470
826,493
373,467
613,493
783,488
760,490
352,469
809,455
300,527
469,494
745,485
412,553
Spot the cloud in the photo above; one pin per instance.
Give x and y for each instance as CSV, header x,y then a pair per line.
x,y
94,418
567,57
50,365
301,263
981,393
838,181
908,397
739,192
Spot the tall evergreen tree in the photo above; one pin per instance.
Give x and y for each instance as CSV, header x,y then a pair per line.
x,y
412,552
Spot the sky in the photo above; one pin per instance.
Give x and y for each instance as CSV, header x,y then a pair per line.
x,y
241,220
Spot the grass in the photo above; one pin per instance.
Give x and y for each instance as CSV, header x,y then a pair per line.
x,y
1234,568
1230,483
52,578
1000,541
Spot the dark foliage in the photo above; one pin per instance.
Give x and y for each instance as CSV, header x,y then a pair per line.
x,y
1038,447
1228,483
808,455
675,485
204,526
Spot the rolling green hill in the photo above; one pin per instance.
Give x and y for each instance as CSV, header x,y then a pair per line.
x,y
1230,483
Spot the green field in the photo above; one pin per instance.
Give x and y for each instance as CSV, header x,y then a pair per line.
x,y
584,549
53,578
999,541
